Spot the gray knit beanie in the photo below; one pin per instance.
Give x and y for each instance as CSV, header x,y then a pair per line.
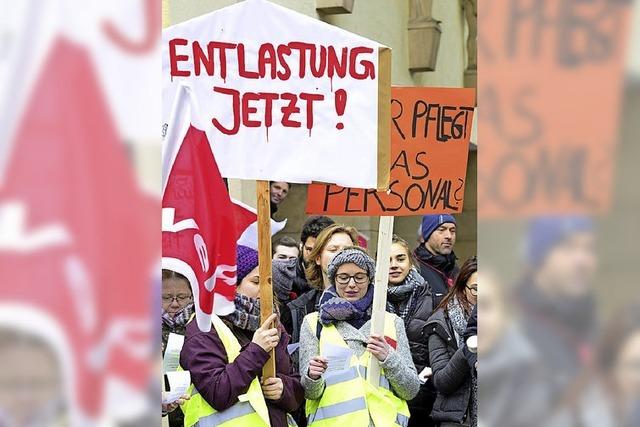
x,y
354,255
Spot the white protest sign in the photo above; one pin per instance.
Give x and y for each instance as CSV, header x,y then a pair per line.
x,y
283,96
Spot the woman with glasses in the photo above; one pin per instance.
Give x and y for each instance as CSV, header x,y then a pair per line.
x,y
177,304
177,308
336,348
456,402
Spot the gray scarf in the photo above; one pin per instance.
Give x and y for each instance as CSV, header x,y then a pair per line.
x,y
459,320
401,297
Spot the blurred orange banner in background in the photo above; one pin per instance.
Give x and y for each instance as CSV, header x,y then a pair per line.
x,y
549,93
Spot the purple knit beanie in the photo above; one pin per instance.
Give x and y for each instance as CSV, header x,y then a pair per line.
x,y
247,261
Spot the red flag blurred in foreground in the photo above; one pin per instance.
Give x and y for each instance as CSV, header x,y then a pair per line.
x,y
198,223
76,246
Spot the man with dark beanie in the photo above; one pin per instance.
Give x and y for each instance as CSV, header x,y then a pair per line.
x,y
556,298
435,256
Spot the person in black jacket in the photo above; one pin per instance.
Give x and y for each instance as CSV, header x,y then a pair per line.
x,y
456,402
435,256
409,297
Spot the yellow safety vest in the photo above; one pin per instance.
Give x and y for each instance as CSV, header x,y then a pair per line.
x,y
349,400
251,409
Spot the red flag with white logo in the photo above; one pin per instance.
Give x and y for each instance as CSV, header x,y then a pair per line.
x,y
198,223
76,249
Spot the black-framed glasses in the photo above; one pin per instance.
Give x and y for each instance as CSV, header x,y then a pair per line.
x,y
168,299
359,278
473,289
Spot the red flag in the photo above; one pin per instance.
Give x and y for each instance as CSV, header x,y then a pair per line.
x,y
198,223
247,225
77,240
245,217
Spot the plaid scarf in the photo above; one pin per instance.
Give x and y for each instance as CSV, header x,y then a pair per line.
x,y
247,313
180,319
175,324
401,298
334,308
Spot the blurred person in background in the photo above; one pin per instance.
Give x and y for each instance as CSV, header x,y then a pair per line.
x,y
279,190
289,279
409,297
177,308
435,256
456,402
512,385
344,321
226,362
285,248
32,389
310,231
556,299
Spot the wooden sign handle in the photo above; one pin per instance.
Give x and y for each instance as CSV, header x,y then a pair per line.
x,y
385,234
264,265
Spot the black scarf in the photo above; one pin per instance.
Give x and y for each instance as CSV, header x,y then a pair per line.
x,y
578,315
444,263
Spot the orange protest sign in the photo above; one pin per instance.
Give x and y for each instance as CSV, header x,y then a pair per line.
x,y
430,132
549,94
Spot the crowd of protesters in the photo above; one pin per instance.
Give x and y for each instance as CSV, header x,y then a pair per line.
x,y
538,337
323,287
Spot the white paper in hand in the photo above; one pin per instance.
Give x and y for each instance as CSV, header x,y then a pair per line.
x,y
178,384
171,360
425,374
339,358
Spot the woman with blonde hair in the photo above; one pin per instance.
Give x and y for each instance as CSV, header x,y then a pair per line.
x,y
329,242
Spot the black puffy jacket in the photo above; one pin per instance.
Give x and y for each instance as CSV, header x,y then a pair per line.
x,y
451,372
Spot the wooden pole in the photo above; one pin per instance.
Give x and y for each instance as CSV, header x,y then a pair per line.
x,y
385,233
264,265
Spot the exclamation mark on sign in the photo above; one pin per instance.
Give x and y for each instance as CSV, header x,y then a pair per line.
x,y
341,103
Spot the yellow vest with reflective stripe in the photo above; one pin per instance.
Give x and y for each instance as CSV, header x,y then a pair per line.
x,y
349,400
251,409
